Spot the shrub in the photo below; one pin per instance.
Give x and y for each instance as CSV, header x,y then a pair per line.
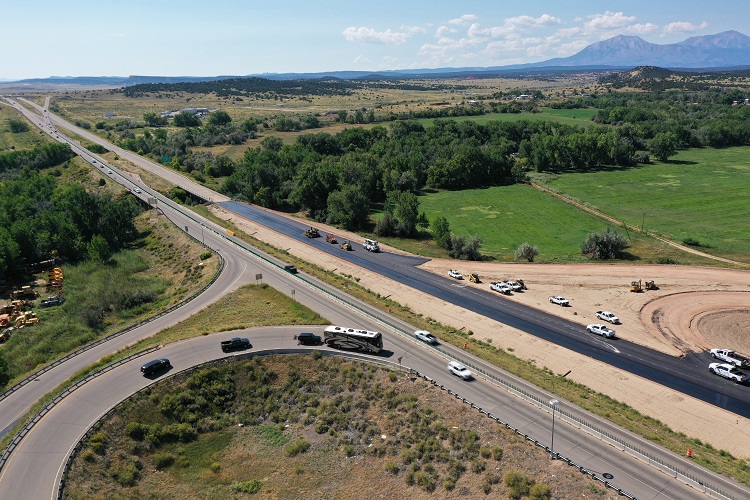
x,y
88,456
461,248
518,484
497,452
205,255
251,487
136,430
391,467
527,251
214,467
297,447
163,460
125,475
485,452
603,245
540,491
692,242
666,260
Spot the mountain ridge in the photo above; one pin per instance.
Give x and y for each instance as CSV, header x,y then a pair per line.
x,y
723,51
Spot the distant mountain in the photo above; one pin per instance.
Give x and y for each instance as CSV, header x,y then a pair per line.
x,y
723,50
726,50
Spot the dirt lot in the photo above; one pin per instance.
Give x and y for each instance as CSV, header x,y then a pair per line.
x,y
693,310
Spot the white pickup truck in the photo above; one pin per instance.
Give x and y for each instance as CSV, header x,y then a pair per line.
x,y
607,316
731,357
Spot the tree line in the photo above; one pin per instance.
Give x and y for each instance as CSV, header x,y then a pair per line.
x,y
40,217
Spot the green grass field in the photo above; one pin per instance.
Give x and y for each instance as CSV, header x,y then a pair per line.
x,y
568,116
700,194
21,140
506,216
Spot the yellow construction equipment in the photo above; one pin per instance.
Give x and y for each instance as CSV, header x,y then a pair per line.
x,y
474,278
27,318
346,246
651,285
636,286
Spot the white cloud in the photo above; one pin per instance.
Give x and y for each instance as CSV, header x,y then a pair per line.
x,y
642,29
532,22
463,20
608,20
413,29
369,35
683,27
444,30
362,60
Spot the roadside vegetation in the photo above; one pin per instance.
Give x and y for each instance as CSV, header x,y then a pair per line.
x,y
308,426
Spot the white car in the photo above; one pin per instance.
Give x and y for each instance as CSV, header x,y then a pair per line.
x,y
459,370
728,371
455,274
138,190
608,316
426,336
515,286
109,172
559,300
601,330
500,286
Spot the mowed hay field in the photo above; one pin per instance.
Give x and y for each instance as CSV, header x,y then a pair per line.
x,y
506,216
699,194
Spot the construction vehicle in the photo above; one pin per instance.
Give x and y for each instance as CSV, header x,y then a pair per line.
x,y
331,239
346,246
651,285
520,282
312,233
13,307
474,278
636,286
27,318
5,334
25,292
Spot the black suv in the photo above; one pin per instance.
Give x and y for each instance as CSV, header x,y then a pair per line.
x,y
234,343
155,366
307,338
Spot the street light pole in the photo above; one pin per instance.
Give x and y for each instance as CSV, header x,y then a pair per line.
x,y
553,403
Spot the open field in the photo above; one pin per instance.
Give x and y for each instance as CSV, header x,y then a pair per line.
x,y
699,194
21,140
506,216
567,116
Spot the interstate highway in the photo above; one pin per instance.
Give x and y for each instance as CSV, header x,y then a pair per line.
x,y
687,375
332,309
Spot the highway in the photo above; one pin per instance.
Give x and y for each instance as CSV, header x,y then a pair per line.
x,y
29,471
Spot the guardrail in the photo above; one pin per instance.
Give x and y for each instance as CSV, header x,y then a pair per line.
x,y
268,352
31,423
637,453
87,347
558,456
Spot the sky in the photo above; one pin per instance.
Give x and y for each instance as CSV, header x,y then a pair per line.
x,y
41,38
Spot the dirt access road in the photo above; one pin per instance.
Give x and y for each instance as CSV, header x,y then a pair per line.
x,y
693,310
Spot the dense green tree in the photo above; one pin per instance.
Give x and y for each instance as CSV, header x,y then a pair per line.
x,y
98,249
441,232
154,120
17,126
663,145
348,207
219,118
186,119
464,249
